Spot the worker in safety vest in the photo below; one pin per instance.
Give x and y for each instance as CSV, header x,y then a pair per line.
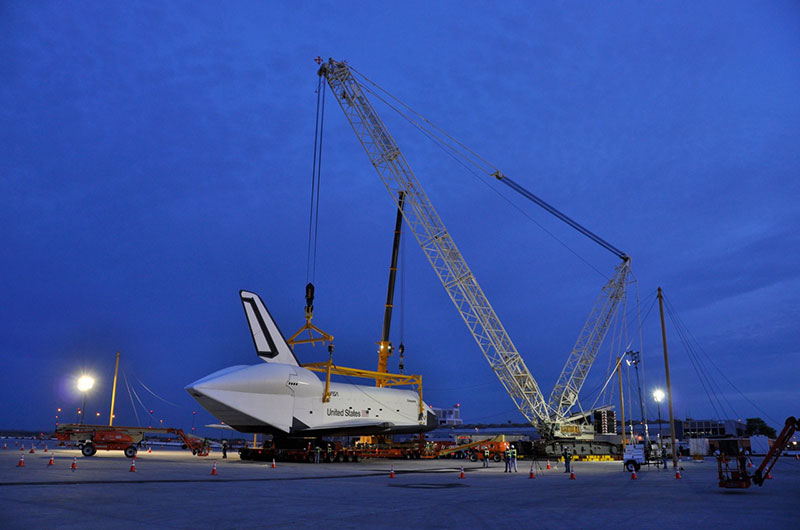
x,y
486,457
514,458
507,460
567,457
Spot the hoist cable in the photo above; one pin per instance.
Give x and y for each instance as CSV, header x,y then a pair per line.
x,y
320,91
319,173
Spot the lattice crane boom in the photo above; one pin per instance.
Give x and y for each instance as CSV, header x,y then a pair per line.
x,y
580,360
436,243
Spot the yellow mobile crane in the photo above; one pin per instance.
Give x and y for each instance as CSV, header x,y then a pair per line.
x,y
553,417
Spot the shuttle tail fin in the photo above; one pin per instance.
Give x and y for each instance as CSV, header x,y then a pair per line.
x,y
270,344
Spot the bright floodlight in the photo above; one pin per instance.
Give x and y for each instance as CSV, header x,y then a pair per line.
x,y
658,395
85,383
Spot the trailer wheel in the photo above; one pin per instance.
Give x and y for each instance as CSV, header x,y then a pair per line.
x,y
473,457
339,458
497,457
130,451
632,465
355,458
310,458
88,450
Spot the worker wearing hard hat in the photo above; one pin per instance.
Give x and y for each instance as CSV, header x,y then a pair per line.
x,y
567,457
514,458
486,457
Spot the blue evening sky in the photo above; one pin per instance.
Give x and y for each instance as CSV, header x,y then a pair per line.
x,y
155,158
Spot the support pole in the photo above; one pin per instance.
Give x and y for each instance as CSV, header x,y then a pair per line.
x,y
669,385
113,392
621,401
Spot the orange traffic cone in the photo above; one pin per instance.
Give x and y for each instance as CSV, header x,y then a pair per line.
x,y
769,475
22,447
532,474
214,469
45,448
149,449
572,475
633,475
5,448
548,464
749,463
462,473
52,461
391,472
74,463
273,464
21,462
133,465
796,455
31,451
678,474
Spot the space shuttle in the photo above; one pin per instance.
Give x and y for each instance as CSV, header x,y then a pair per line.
x,y
280,397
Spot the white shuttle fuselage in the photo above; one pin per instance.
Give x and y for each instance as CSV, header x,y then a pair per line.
x,y
280,397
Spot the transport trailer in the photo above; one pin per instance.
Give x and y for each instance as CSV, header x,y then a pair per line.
x,y
91,438
306,450
302,451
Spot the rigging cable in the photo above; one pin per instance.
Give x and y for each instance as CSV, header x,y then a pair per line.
x,y
723,373
497,173
447,148
156,395
698,370
133,405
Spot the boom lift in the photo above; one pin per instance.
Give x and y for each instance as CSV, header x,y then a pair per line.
x,y
551,417
733,468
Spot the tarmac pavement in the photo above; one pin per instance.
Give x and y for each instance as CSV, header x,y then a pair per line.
x,y
173,488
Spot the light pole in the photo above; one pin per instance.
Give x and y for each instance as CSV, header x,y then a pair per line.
x,y
85,383
634,360
658,395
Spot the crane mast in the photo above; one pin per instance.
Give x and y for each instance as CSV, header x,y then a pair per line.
x,y
436,243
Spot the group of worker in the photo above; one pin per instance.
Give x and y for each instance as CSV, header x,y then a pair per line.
x,y
509,457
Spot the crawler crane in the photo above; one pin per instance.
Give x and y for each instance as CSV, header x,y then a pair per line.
x,y
552,417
